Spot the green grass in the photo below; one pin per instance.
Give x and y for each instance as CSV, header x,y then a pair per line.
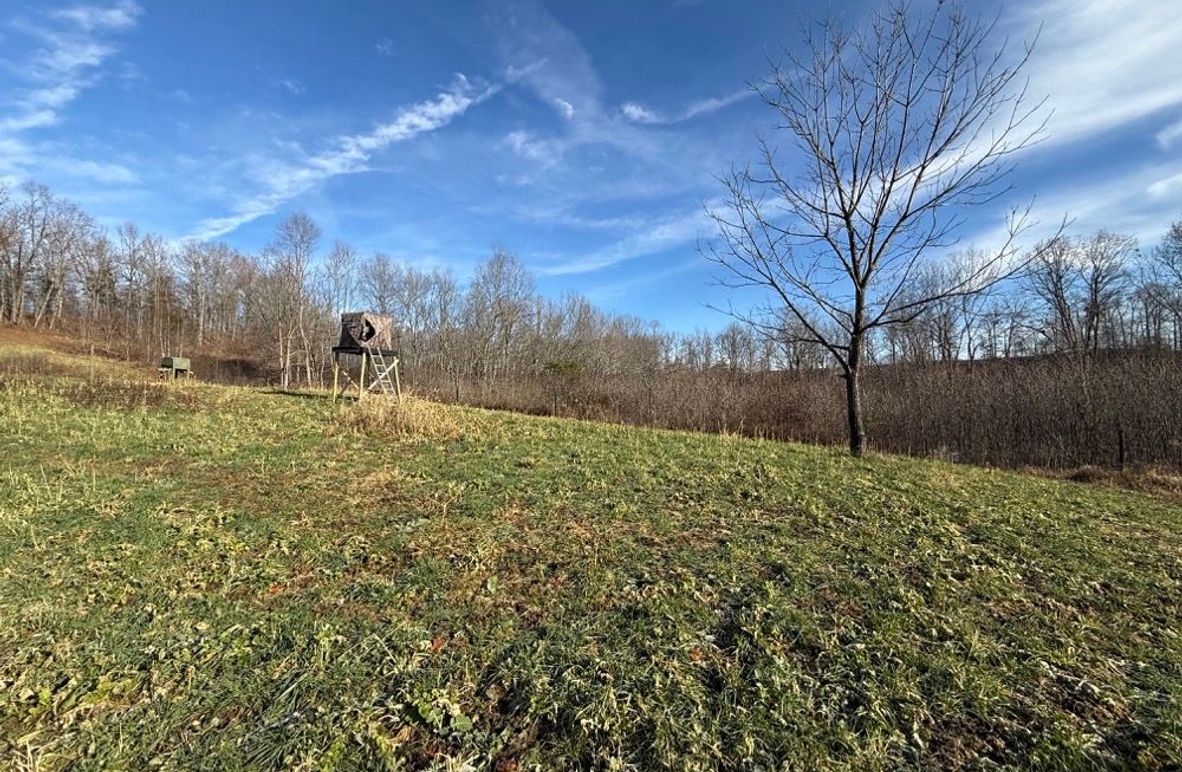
x,y
197,576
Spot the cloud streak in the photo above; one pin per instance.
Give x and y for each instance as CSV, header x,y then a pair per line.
x,y
290,85
351,154
73,45
605,292
1140,202
1169,135
1104,63
542,54
546,58
89,18
638,113
674,232
67,61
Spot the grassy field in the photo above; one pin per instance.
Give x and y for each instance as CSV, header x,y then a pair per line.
x,y
200,576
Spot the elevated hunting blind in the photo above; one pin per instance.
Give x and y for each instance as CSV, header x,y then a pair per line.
x,y
363,330
369,337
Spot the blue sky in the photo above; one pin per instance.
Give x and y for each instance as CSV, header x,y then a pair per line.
x,y
585,137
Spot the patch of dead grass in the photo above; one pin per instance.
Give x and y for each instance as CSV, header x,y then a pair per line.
x,y
409,418
1156,480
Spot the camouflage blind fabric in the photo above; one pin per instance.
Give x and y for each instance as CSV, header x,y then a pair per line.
x,y
366,330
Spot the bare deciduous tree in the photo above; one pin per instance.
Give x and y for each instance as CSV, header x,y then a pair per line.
x,y
1167,267
377,283
1105,258
340,276
497,306
1079,283
290,257
896,130
69,231
28,225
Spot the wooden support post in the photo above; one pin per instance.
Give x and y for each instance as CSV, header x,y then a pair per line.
x,y
336,374
364,367
397,381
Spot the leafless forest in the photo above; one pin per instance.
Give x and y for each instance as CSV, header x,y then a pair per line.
x,y
1076,361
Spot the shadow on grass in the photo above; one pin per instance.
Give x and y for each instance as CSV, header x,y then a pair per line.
x,y
305,394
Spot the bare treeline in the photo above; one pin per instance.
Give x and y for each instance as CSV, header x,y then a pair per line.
x,y
1076,361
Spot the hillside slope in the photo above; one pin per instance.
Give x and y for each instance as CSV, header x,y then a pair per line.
x,y
208,576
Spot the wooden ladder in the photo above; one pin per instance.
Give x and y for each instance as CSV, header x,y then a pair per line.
x,y
386,372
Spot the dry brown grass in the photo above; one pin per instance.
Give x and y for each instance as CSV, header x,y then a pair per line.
x,y
1155,480
19,359
409,418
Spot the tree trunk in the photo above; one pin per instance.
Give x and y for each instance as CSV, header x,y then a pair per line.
x,y
853,401
853,397
44,305
18,300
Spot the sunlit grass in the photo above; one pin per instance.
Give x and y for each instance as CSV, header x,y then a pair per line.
x,y
409,417
196,576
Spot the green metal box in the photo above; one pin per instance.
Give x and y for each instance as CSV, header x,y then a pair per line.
x,y
174,363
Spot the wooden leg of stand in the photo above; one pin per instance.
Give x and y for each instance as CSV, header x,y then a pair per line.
x,y
336,376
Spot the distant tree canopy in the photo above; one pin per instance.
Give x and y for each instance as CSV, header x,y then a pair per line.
x,y
58,270
1089,300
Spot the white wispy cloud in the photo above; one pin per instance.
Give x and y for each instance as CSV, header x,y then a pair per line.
x,y
98,171
564,108
283,180
28,119
1167,186
66,62
564,217
72,46
600,293
1140,201
638,113
527,145
677,231
544,57
291,86
89,18
1169,135
1103,63
713,104
384,47
12,151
